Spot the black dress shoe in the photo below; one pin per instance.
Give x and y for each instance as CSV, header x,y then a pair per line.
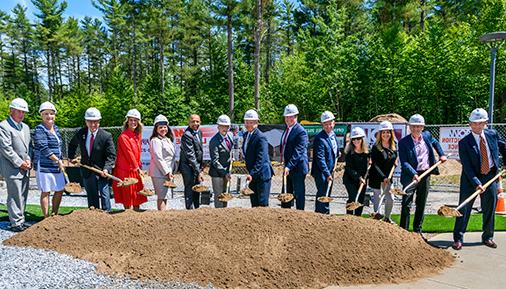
x,y
457,245
490,243
17,229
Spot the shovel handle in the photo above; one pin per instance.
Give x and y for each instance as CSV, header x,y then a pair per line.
x,y
361,187
428,171
477,192
100,172
284,181
227,189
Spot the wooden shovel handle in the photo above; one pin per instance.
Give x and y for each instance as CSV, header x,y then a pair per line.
x,y
477,192
227,189
361,187
100,172
424,174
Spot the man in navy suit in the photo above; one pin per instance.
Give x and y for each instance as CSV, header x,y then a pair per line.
x,y
293,150
325,153
256,154
479,155
416,155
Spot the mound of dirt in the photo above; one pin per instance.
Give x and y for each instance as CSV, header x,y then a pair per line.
x,y
236,247
391,117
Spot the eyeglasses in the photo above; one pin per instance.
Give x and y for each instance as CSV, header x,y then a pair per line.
x,y
354,139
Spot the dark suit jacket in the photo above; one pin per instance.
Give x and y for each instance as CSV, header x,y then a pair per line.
x,y
191,158
103,153
256,156
220,156
407,155
323,156
469,153
295,151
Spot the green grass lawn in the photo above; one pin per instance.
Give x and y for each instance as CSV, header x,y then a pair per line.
x,y
431,224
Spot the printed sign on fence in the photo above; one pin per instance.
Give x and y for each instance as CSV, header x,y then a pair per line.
x,y
449,138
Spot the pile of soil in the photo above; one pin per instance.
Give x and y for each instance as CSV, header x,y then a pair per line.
x,y
391,117
236,247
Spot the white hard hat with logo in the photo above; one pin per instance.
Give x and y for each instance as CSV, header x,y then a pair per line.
x,y
161,118
133,113
47,106
326,116
290,110
416,119
478,115
19,104
92,113
357,132
251,115
385,125
223,120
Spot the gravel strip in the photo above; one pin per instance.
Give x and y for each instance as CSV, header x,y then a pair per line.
x,y
34,268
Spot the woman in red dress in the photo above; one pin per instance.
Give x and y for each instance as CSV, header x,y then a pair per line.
x,y
128,162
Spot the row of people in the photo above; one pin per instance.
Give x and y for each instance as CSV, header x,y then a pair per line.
x,y
414,153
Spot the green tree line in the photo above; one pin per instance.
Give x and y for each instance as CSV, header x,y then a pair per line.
x,y
357,58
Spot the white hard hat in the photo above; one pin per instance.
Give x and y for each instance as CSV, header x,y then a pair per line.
x,y
357,132
19,104
251,115
385,125
160,118
92,113
416,119
47,105
290,110
133,113
478,115
326,116
223,120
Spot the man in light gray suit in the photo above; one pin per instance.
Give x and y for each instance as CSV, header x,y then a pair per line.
x,y
220,148
15,162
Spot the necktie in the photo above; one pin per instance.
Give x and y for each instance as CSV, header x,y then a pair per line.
x,y
92,141
285,136
485,167
246,142
227,141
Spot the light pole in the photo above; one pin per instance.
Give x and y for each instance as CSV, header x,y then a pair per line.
x,y
493,41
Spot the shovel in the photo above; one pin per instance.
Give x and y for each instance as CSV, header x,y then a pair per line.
x,y
121,183
226,195
384,189
73,188
428,171
246,191
285,197
451,212
145,191
355,205
327,198
170,183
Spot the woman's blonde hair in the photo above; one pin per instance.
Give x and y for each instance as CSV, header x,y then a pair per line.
x,y
138,129
350,146
392,144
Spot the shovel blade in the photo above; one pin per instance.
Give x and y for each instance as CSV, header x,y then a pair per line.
x,y
73,188
448,212
325,199
353,206
285,198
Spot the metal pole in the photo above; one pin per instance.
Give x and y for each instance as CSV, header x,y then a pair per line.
x,y
493,53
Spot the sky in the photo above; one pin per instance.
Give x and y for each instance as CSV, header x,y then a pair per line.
x,y
75,8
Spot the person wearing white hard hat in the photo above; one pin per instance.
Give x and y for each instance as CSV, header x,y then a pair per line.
x,y
383,158
15,162
97,150
191,163
356,158
416,155
48,159
220,148
128,162
256,155
293,156
162,152
325,155
479,155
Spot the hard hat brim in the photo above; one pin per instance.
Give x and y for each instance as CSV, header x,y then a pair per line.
x,y
416,123
223,123
479,120
291,114
93,118
19,108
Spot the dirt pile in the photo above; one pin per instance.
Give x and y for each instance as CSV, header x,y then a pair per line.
x,y
235,247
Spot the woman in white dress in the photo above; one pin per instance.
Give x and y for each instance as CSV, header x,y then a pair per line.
x,y
162,151
48,159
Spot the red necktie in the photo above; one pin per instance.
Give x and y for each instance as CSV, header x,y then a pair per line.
x,y
485,167
92,140
284,143
228,143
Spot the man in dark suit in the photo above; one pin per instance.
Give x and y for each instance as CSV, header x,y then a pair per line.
x,y
325,153
416,155
293,150
191,161
220,148
256,154
479,155
97,150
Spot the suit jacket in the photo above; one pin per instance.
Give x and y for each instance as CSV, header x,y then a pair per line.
x,y
220,155
103,153
295,150
47,144
192,156
323,156
256,155
470,157
407,155
163,154
15,147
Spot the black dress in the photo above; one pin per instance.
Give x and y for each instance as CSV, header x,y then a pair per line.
x,y
382,162
355,167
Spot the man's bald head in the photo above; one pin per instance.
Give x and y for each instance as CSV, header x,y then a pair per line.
x,y
194,122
